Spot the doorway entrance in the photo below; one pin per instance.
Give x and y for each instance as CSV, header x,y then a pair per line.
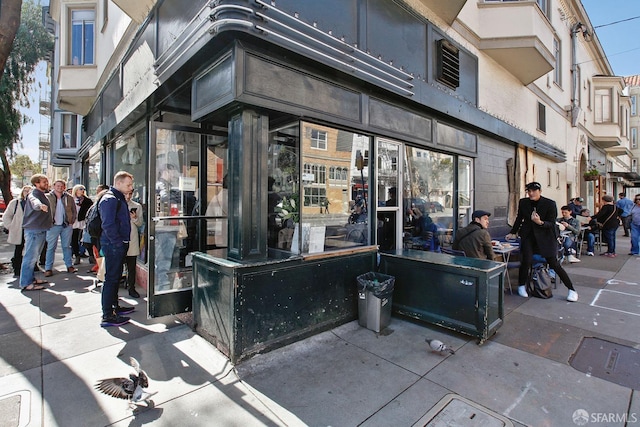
x,y
186,210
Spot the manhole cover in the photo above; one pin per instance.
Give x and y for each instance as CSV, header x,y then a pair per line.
x,y
613,362
15,409
454,410
10,410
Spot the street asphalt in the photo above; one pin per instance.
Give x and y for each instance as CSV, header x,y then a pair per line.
x,y
53,350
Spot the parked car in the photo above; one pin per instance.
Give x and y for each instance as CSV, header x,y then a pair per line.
x,y
3,205
425,206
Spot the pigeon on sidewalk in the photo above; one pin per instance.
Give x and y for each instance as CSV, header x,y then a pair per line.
x,y
131,389
439,346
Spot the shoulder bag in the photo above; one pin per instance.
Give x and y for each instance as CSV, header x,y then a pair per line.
x,y
601,225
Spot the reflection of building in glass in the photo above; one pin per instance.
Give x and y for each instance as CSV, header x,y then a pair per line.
x,y
327,158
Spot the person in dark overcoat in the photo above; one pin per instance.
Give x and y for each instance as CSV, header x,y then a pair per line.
x,y
536,225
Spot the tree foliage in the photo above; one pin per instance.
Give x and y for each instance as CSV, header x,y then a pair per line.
x,y
22,163
31,45
9,24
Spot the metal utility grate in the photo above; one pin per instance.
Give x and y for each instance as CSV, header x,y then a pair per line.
x,y
10,410
613,362
454,410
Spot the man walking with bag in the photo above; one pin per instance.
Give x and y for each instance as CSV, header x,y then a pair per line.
x,y
536,224
114,243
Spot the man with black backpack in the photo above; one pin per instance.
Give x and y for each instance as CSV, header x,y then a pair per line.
x,y
536,225
114,243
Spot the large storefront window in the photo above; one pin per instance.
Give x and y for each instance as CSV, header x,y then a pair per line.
x,y
326,206
428,198
131,156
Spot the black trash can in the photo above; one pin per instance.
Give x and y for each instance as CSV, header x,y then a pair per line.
x,y
375,291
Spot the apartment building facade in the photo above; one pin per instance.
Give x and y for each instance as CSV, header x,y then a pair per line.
x,y
298,137
633,175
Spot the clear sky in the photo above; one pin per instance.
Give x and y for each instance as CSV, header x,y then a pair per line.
x,y
37,124
620,41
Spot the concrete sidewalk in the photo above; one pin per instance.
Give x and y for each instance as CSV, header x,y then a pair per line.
x,y
53,351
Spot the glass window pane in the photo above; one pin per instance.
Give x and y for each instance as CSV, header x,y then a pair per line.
x,y
82,37
328,214
387,193
465,191
283,185
83,14
131,156
76,43
428,193
88,44
176,181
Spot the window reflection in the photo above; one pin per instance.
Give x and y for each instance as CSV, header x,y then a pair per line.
x,y
326,206
387,191
131,156
465,175
427,198
177,161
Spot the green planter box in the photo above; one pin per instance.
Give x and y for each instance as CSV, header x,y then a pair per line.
x,y
458,293
253,307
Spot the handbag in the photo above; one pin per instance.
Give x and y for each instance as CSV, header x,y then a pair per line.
x,y
601,225
540,282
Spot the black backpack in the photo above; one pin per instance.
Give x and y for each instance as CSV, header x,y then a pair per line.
x,y
540,282
94,222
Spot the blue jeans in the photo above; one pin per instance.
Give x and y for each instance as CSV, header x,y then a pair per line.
x,y
568,243
165,245
635,239
33,244
609,234
52,243
591,241
114,256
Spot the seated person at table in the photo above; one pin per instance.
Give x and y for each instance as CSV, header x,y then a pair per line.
x,y
424,231
572,227
589,233
474,239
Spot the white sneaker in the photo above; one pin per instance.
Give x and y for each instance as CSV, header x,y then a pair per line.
x,y
573,296
590,254
522,291
572,259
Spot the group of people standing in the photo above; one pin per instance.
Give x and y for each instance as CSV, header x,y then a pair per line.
x,y
39,216
36,218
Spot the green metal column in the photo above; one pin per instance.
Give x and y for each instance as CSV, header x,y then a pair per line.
x,y
247,177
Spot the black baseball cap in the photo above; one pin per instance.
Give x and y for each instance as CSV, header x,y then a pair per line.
x,y
533,186
479,214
